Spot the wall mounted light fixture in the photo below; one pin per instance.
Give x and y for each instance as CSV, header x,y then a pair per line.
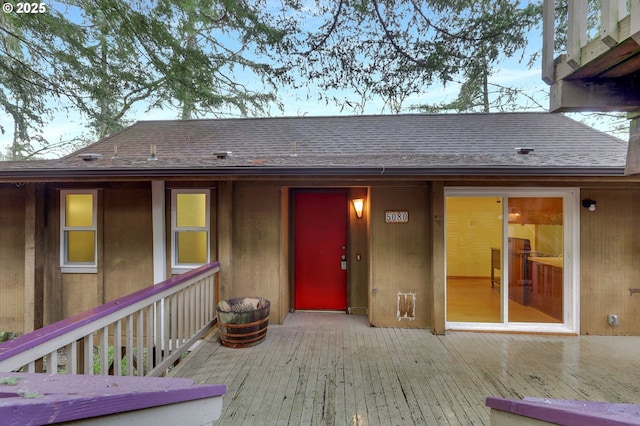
x,y
358,206
514,216
590,204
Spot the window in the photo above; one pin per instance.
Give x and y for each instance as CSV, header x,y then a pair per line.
x,y
510,256
189,229
78,231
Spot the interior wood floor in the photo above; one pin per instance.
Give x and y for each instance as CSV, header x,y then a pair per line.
x,y
474,300
333,369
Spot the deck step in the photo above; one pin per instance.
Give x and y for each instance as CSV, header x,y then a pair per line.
x,y
32,398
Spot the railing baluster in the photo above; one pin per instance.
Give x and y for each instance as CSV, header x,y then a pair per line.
x,y
88,354
174,323
72,358
198,296
180,317
206,302
192,311
52,367
117,348
128,345
166,327
103,351
202,302
150,355
140,364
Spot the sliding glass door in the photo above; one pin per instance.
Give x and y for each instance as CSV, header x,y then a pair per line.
x,y
509,259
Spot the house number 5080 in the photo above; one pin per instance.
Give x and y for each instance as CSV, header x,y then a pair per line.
x,y
397,216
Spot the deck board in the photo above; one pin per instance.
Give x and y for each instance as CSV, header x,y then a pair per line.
x,y
333,369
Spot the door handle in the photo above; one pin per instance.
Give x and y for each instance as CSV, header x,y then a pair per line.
x,y
343,262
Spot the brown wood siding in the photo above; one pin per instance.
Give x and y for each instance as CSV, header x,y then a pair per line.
x,y
609,266
79,293
12,222
256,244
128,240
125,255
400,256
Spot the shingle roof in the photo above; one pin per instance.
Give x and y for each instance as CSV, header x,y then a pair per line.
x,y
439,143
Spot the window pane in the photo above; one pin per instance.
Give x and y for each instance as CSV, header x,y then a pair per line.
x,y
474,247
79,210
80,246
191,210
192,247
536,259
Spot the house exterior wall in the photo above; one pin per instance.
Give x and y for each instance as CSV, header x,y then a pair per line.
x,y
609,265
395,258
257,245
125,262
400,256
12,251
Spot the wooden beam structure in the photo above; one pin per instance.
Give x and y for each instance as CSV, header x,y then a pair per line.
x,y
596,73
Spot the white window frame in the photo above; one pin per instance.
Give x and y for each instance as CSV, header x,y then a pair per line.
x,y
179,268
571,269
78,267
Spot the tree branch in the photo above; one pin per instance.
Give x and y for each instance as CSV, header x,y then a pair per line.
x,y
334,25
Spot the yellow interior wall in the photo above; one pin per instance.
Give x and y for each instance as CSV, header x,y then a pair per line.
x,y
473,226
550,239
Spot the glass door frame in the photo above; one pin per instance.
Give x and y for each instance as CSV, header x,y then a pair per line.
x,y
571,259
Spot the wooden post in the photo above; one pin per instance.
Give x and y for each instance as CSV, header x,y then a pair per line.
x,y
437,258
548,28
612,13
225,236
633,151
576,31
34,253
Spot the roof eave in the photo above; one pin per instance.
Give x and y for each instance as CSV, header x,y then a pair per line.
x,y
49,174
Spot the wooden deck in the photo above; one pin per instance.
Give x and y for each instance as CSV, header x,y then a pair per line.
x,y
332,369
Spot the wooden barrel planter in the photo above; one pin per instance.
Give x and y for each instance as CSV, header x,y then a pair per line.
x,y
243,321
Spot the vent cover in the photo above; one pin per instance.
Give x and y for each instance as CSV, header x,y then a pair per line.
x,y
90,156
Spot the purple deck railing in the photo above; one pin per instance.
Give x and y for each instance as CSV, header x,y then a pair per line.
x,y
143,333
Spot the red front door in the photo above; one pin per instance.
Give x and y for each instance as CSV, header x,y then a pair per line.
x,y
320,244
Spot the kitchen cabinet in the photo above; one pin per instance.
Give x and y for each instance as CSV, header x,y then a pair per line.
x,y
519,274
547,285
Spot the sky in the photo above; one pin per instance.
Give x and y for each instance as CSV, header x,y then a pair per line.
x,y
67,124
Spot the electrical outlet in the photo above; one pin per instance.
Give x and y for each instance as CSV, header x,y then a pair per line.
x,y
612,319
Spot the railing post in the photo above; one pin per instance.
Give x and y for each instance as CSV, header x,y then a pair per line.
x,y
548,41
612,12
576,31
